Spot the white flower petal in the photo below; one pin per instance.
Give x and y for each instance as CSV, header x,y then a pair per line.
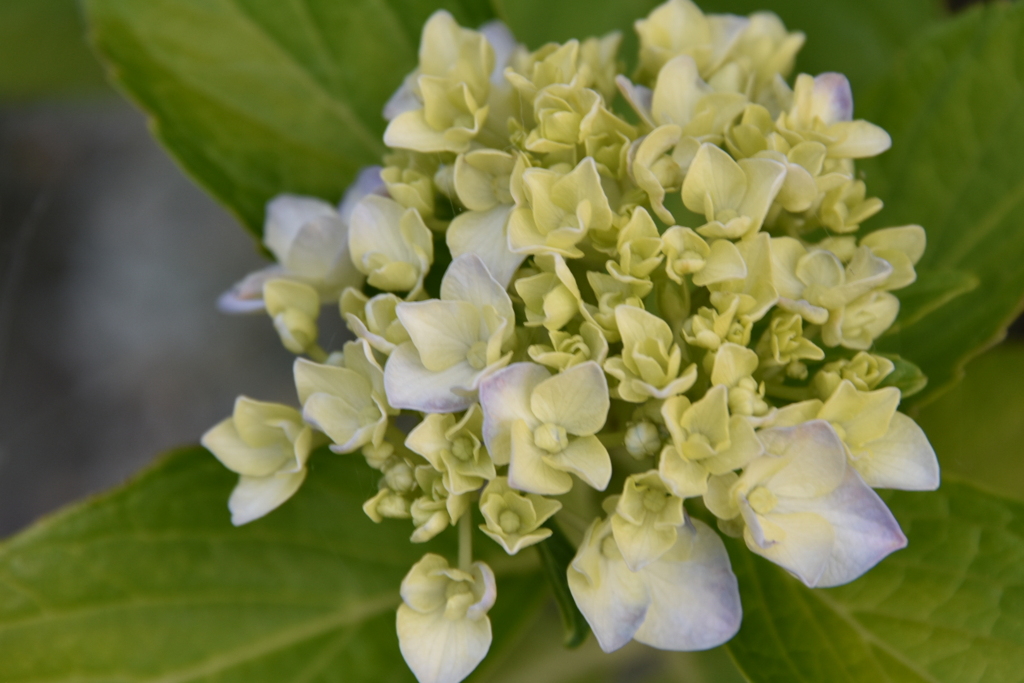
x,y
375,227
469,279
440,650
695,600
423,589
528,471
228,447
902,459
612,599
677,91
428,439
403,99
639,97
865,531
483,233
831,98
764,180
411,386
863,140
338,418
799,542
684,478
588,459
482,573
246,295
641,544
254,497
723,263
505,398
286,215
504,43
367,182
576,399
319,254
312,378
411,130
441,331
786,253
816,458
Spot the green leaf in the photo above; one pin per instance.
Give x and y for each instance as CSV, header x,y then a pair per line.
x,y
152,583
258,97
976,429
955,110
43,51
947,609
556,553
932,290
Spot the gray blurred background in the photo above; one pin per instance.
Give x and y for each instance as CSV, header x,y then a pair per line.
x,y
111,350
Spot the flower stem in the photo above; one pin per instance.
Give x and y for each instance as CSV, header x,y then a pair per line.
x,y
466,541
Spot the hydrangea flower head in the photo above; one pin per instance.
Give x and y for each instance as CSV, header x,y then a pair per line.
x,y
577,315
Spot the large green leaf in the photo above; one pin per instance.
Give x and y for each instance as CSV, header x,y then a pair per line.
x,y
947,609
259,97
955,109
152,583
43,50
977,428
932,290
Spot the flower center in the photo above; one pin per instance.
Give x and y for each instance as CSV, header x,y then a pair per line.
x,y
462,448
655,501
456,588
551,438
509,522
460,597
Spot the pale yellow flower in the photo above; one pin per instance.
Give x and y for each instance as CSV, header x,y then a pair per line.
x,y
543,426
443,628
706,441
554,211
514,519
268,445
733,196
651,364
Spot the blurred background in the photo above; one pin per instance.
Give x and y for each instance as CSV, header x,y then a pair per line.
x,y
111,349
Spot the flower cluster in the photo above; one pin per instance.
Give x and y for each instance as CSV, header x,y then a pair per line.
x,y
563,277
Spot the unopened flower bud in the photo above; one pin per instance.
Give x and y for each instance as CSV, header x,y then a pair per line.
x,y
294,307
643,440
